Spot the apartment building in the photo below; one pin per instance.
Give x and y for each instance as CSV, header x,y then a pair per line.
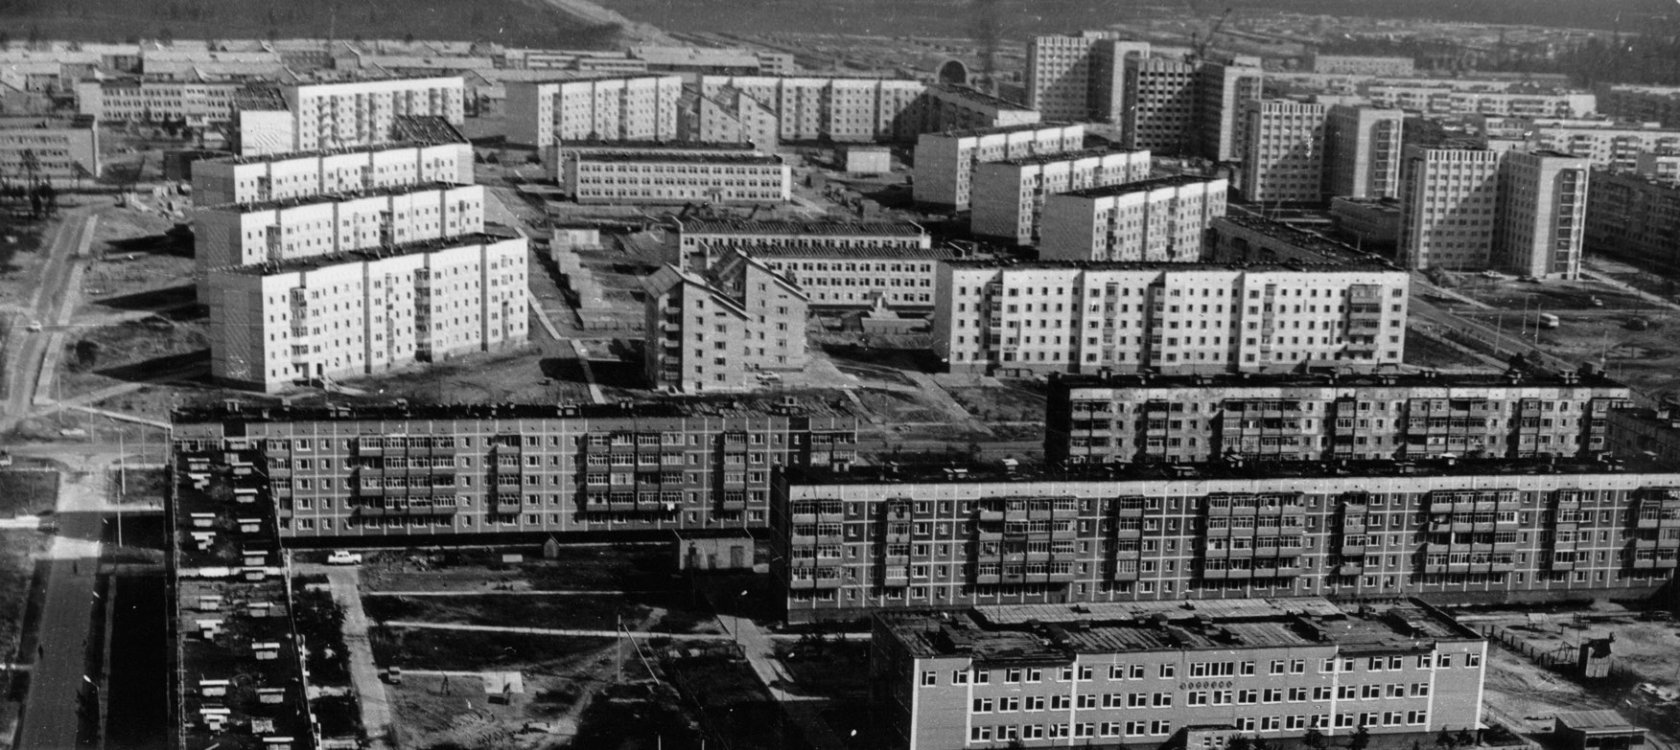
x,y
1008,196
1605,144
1373,224
890,538
361,113
1079,78
1027,319
274,231
721,328
236,672
1542,214
1225,84
522,471
1440,99
61,153
1362,152
841,109
1283,151
946,161
1664,167
196,103
855,277
1253,239
301,176
1157,220
1524,413
727,116
1161,102
1448,202
1633,217
1122,675
701,242
950,107
1363,65
1632,103
672,173
1646,433
630,108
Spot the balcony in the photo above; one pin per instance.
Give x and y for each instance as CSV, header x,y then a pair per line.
x,y
1350,569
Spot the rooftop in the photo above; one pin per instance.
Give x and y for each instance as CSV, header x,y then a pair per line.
x,y
1373,263
1141,186
976,96
655,156
314,262
1602,719
264,158
1527,377
653,147
376,192
1068,156
426,129
948,473
797,228
258,97
810,403
1003,129
1333,251
1057,633
853,253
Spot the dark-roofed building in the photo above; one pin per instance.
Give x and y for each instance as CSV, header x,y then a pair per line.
x,y
1598,730
1653,433
1523,413
1130,675
874,539
522,471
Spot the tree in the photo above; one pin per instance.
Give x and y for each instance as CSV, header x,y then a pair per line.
x,y
1261,743
1314,739
1465,737
1361,739
1445,739
1241,742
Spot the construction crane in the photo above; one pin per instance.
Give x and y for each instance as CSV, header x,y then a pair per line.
x,y
1198,50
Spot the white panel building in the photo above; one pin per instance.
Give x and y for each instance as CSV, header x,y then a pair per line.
x,y
297,176
633,108
945,161
360,113
1008,196
1159,220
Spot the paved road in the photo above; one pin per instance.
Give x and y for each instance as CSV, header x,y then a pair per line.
x,y
345,582
51,712
50,306
805,711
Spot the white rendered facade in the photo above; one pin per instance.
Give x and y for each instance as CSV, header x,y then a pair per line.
x,y
1161,220
945,162
636,108
1615,147
1542,214
312,321
675,177
360,113
298,176
1448,200
702,242
197,103
1008,196
1283,151
1031,319
809,108
715,330
1362,152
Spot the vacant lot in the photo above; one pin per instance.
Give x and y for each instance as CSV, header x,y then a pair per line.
x,y
27,492
657,612
19,550
1423,351
609,569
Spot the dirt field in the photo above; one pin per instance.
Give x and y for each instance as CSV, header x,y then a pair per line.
x,y
19,549
27,493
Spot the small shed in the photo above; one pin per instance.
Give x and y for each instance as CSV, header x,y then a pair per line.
x,y
715,552
868,160
1598,730
1595,659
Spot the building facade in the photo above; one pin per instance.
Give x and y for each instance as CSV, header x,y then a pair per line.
x,y
1362,152
720,329
1611,145
196,103
320,318
633,108
1448,203
1634,218
702,242
1542,214
471,470
1283,151
1659,104
1444,99
1161,103
855,277
945,162
673,174
1377,416
840,109
362,113
1029,319
1646,433
1363,65
1226,83
849,545
1125,675
282,177
62,153
1158,220
1008,197
728,116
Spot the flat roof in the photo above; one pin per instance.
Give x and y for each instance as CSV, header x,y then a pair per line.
x,y
1083,153
796,227
426,129
37,122
1141,186
978,97
1060,632
797,403
960,472
316,153
308,200
1374,263
852,253
1331,250
1002,129
1599,719
356,256
693,157
1524,377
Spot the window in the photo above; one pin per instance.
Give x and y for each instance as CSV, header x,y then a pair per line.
x,y
982,705
1168,670
1472,660
959,677
1277,666
1012,676
929,679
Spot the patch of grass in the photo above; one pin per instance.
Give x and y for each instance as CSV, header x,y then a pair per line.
x,y
465,650
19,550
320,620
27,493
627,723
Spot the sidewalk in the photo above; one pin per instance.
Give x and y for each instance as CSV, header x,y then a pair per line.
x,y
364,673
805,711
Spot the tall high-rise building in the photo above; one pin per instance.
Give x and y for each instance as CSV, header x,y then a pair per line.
x,y
1159,110
716,330
1080,77
1542,214
1224,85
1362,152
1283,151
1448,197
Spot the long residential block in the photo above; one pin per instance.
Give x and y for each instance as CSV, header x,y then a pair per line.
x,y
1158,220
701,242
362,113
1633,217
674,174
1122,675
945,162
1523,413
855,277
847,545
320,318
499,470
633,108
1036,318
64,153
280,177
1008,197
718,329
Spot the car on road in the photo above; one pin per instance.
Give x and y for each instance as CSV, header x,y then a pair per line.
x,y
344,557
1596,302
34,326
1637,324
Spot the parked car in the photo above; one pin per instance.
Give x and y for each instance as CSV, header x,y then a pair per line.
x,y
344,557
1637,324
